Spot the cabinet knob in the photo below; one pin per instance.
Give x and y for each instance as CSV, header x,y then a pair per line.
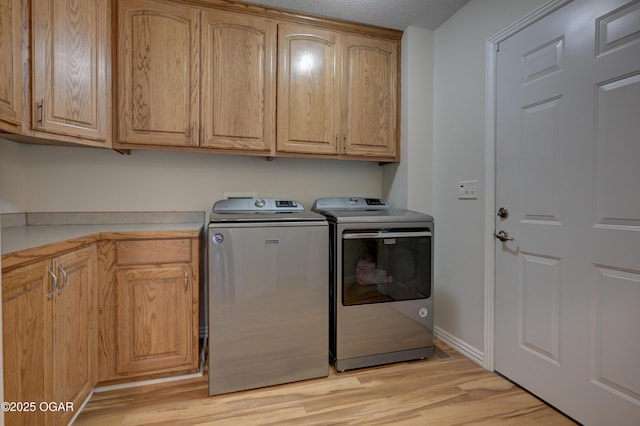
x,y
54,283
41,112
64,278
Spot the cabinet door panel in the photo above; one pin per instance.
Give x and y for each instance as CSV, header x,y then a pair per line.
x,y
70,70
75,329
154,319
26,322
158,73
308,90
370,97
10,66
238,81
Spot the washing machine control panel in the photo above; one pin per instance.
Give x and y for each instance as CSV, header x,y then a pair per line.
x,y
257,205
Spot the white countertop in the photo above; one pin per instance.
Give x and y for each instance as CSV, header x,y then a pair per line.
x,y
20,238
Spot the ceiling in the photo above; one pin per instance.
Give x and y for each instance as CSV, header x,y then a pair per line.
x,y
397,14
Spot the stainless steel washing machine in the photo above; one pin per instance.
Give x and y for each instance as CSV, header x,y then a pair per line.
x,y
381,282
268,286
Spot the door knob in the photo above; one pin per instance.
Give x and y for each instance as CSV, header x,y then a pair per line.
x,y
503,236
503,212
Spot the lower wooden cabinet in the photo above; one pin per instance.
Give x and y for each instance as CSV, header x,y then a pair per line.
x,y
27,317
155,317
75,331
50,335
149,308
118,308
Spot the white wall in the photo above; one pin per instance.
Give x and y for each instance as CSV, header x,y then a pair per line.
x,y
39,178
459,141
410,183
11,177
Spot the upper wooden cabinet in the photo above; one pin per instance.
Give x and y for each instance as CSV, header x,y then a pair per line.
x,y
11,65
337,93
167,97
199,75
238,81
308,89
370,97
203,76
55,76
157,78
71,74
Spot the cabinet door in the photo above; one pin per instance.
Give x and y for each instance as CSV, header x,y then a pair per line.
x,y
154,317
75,329
26,326
11,65
308,90
157,78
370,104
238,81
71,71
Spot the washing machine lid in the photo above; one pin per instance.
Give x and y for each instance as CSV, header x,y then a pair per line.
x,y
362,209
260,210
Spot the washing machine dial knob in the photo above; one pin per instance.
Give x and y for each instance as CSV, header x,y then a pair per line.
x,y
260,203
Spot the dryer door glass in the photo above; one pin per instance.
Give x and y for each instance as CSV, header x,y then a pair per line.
x,y
384,266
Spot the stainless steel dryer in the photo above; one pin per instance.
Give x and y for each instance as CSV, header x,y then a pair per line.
x,y
381,282
268,286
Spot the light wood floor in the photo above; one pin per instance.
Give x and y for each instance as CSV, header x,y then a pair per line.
x,y
451,391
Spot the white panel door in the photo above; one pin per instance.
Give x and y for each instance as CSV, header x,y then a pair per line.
x,y
567,303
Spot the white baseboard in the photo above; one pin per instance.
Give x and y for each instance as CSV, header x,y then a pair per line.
x,y
146,382
474,354
78,410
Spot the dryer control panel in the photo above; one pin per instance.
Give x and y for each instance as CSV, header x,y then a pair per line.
x,y
350,203
257,205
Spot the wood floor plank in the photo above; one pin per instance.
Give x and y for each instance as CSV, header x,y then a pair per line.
x,y
452,391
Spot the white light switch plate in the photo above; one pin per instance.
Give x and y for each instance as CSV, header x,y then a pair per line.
x,y
468,190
